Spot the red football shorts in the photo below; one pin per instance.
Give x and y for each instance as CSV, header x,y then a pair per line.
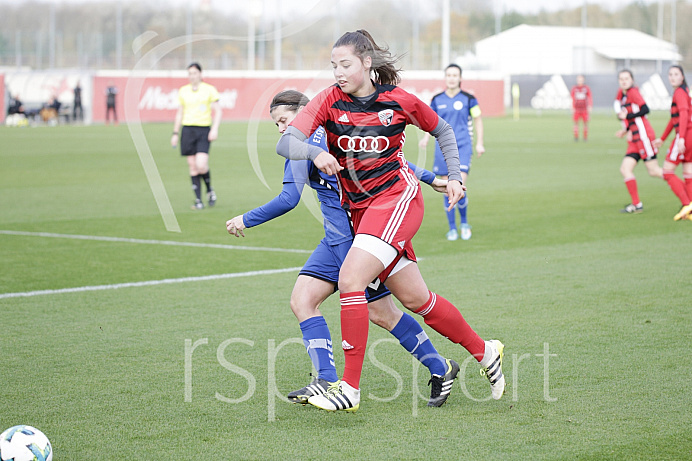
x,y
580,114
674,155
394,220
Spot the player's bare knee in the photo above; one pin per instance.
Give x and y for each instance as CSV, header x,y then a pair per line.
x,y
414,301
350,282
302,307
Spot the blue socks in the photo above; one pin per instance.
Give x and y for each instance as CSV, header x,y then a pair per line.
x,y
450,214
462,205
411,335
318,342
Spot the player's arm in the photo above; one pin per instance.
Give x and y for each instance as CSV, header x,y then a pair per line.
x,y
669,127
423,143
444,134
216,120
428,177
292,146
176,126
288,199
478,125
643,110
684,110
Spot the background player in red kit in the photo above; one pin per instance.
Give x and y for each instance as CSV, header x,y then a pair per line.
x,y
681,148
365,119
632,109
581,104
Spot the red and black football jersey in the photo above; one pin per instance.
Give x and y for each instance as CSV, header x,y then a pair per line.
x,y
367,137
680,113
581,98
640,127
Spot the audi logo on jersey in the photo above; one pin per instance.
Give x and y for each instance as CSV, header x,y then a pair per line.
x,y
376,144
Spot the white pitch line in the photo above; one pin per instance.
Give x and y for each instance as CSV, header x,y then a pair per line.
x,y
151,242
147,283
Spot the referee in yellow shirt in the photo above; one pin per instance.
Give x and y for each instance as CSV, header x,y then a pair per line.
x,y
197,101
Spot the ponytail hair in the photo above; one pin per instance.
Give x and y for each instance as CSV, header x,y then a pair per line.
x,y
383,62
684,82
292,99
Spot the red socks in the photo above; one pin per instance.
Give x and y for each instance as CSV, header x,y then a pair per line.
x,y
443,317
677,186
354,332
631,184
688,186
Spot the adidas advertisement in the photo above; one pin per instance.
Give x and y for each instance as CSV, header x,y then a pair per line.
x,y
552,92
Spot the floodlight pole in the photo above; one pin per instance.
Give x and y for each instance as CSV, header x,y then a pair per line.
x,y
119,36
251,43
277,35
51,37
584,18
673,21
445,33
659,62
188,33
416,36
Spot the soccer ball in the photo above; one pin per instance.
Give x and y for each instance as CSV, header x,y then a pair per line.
x,y
25,443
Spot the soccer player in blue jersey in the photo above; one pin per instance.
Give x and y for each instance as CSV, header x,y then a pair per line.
x,y
319,276
461,111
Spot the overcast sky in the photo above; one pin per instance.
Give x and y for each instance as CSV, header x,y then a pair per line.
x,y
522,6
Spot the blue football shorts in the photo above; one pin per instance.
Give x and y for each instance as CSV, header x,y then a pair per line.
x,y
325,262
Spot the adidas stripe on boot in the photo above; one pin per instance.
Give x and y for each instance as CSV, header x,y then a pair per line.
x,y
494,369
442,385
339,396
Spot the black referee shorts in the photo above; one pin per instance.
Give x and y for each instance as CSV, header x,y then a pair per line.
x,y
194,139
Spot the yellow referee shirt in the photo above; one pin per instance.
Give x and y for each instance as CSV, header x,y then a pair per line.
x,y
196,104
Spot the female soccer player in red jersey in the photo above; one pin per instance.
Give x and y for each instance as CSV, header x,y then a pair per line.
x,y
365,120
681,148
319,276
632,110
581,106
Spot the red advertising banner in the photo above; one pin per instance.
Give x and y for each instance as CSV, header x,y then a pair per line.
x,y
155,99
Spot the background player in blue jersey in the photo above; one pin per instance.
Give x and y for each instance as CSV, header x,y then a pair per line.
x,y
460,110
319,276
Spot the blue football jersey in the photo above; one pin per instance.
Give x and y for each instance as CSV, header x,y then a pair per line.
x,y
457,111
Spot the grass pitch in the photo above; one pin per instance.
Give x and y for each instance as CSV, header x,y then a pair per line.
x,y
593,306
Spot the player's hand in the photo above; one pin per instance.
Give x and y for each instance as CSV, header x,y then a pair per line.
x,y
439,185
213,134
455,191
629,136
174,140
235,226
681,145
620,133
327,163
480,149
623,114
657,143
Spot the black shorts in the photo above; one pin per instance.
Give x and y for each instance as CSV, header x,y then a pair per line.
x,y
194,139
638,157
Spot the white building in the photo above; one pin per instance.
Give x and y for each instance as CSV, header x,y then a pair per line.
x,y
547,50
